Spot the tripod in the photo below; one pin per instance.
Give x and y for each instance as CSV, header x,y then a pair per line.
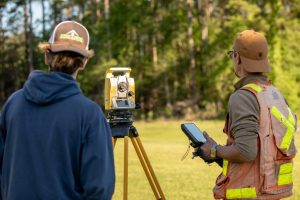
x,y
123,128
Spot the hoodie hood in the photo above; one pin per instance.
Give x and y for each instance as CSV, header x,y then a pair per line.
x,y
45,88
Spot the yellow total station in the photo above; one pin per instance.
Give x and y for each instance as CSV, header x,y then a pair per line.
x,y
119,89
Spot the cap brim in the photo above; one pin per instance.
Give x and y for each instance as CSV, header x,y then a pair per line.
x,y
60,47
255,65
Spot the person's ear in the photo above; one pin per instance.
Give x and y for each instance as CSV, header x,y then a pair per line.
x,y
83,64
239,59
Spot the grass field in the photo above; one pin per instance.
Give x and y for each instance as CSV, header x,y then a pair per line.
x,y
189,179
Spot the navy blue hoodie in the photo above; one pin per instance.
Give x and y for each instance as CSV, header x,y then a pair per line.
x,y
55,143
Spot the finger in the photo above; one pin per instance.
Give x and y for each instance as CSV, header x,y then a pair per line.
x,y
208,138
205,134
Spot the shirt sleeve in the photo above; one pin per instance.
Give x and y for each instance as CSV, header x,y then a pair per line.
x,y
2,136
97,161
244,118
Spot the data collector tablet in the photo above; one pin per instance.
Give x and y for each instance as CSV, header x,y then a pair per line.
x,y
194,134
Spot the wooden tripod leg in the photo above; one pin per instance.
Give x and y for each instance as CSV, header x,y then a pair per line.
x,y
139,142
114,141
125,183
144,165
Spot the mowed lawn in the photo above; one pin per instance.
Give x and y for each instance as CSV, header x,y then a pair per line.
x,y
165,144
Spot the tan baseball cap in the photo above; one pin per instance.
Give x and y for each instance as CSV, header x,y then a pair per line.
x,y
70,36
253,49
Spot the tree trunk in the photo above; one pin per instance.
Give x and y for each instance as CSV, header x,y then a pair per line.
x,y
191,48
30,35
43,19
154,52
204,11
106,9
82,10
95,8
153,35
98,11
204,16
106,16
70,11
56,11
27,33
167,90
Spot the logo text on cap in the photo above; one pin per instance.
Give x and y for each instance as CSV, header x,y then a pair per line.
x,y
71,35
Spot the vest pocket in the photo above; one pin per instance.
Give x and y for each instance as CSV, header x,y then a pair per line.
x,y
283,178
268,163
284,171
220,187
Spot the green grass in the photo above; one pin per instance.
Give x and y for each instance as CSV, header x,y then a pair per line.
x,y
189,179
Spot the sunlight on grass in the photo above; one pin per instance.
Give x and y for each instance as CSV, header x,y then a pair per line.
x,y
189,179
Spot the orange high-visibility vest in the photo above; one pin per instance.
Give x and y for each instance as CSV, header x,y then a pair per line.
x,y
269,176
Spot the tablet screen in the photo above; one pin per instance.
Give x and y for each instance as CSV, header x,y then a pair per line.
x,y
193,129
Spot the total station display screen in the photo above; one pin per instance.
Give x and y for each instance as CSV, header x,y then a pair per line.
x,y
122,103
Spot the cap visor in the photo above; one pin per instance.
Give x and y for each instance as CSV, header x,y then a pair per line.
x,y
255,65
59,47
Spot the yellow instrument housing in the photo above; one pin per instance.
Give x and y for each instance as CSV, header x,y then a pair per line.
x,y
114,99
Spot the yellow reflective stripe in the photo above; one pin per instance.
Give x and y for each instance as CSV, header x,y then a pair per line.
x,y
241,193
285,179
277,114
281,117
253,86
289,124
286,168
225,167
285,174
287,139
291,117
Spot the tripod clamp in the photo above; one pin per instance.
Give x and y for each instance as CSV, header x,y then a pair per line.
x,y
133,132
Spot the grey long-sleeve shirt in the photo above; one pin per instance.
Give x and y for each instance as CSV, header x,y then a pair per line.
x,y
244,111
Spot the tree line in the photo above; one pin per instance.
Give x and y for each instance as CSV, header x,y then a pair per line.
x,y
176,48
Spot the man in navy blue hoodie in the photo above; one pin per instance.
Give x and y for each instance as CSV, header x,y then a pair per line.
x,y
55,143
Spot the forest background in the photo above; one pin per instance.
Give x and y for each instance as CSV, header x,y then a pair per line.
x,y
176,48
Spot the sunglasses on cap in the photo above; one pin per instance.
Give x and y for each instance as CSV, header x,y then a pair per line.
x,y
231,53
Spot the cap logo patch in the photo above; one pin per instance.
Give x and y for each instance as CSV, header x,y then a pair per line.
x,y
71,35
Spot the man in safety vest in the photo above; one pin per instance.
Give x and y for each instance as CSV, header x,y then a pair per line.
x,y
258,156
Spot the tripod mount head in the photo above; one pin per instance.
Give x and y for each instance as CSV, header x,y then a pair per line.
x,y
120,122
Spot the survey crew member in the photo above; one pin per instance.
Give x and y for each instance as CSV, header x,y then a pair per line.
x,y
260,126
54,142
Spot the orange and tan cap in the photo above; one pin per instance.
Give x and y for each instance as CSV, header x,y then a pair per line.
x,y
253,49
70,36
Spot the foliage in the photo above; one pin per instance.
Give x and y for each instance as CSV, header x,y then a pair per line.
x,y
151,36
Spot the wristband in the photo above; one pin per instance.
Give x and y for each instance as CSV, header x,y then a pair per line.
x,y
213,152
